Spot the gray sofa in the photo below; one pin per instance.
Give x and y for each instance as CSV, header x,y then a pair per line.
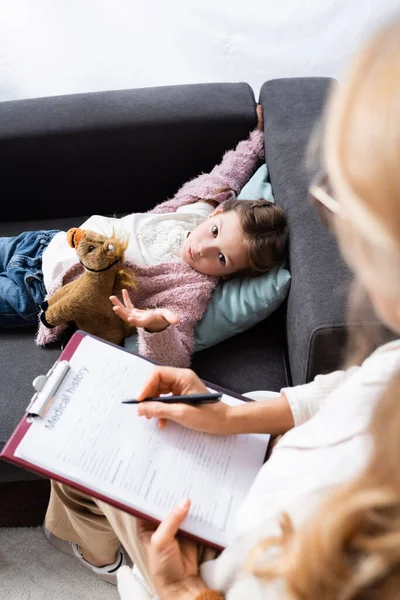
x,y
65,158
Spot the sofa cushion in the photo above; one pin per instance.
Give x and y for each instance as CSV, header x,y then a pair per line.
x,y
254,359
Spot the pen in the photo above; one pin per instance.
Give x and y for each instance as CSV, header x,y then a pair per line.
x,y
193,399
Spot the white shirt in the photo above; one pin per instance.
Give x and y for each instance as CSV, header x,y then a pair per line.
x,y
329,445
153,238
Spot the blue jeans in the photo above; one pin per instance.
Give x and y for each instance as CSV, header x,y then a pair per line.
x,y
21,278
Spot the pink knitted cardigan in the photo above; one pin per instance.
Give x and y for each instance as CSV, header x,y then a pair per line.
x,y
176,285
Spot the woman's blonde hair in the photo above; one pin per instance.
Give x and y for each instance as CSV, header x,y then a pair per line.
x,y
350,548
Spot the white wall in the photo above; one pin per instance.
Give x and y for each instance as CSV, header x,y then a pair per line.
x,y
51,47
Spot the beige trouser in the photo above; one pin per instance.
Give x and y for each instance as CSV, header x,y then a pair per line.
x,y
99,527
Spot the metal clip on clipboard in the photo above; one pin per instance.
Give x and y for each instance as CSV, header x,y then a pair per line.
x,y
46,387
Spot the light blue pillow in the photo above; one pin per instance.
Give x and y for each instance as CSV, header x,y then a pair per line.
x,y
258,186
238,304
242,302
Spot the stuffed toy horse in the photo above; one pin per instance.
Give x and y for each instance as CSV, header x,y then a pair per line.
x,y
85,301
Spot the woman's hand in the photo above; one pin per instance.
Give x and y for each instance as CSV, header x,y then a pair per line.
x,y
209,418
260,118
154,320
172,562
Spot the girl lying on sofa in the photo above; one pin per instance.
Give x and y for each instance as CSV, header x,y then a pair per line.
x,y
179,251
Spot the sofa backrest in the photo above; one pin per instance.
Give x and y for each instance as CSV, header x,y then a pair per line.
x,y
317,303
318,324
115,151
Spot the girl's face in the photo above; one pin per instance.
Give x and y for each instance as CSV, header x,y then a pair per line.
x,y
216,247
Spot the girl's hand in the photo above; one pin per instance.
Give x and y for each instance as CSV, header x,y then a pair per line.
x,y
155,320
209,418
172,562
260,118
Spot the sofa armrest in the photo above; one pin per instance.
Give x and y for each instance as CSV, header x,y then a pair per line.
x,y
317,302
116,151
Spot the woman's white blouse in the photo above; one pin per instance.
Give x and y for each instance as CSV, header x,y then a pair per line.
x,y
329,445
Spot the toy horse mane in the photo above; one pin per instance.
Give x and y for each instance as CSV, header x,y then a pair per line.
x,y
99,259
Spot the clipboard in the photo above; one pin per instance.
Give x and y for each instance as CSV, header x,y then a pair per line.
x,y
45,390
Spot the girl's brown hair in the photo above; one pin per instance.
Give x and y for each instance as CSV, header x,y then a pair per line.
x,y
349,549
265,233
